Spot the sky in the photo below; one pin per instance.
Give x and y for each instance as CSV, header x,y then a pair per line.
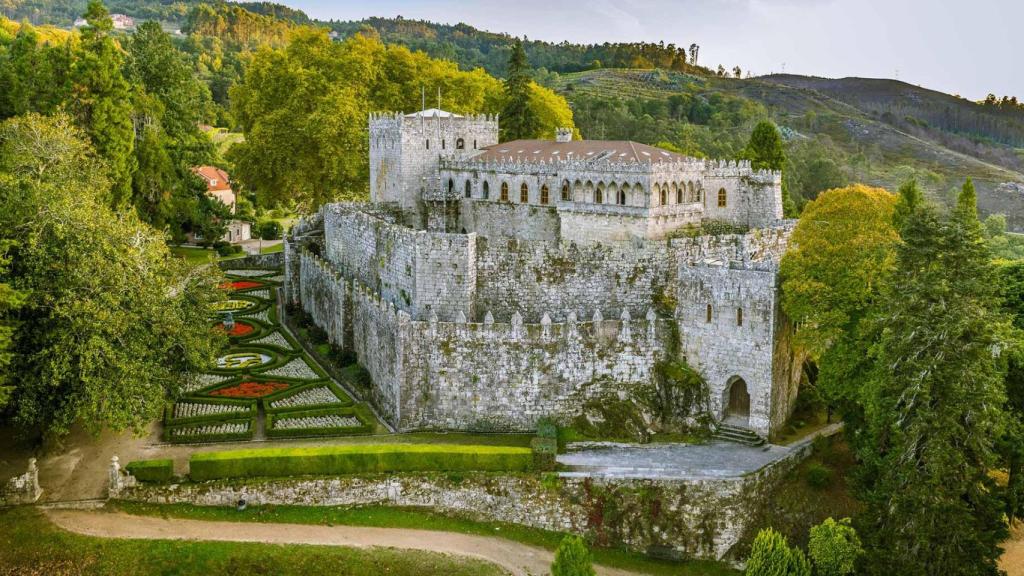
x,y
961,47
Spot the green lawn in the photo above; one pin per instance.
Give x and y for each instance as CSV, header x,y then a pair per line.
x,y
272,249
390,517
29,544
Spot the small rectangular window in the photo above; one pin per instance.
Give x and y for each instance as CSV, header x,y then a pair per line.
x,y
739,316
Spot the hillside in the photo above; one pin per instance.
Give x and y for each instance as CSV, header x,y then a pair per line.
x,y
847,130
64,12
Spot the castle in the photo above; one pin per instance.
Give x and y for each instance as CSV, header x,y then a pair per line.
x,y
487,285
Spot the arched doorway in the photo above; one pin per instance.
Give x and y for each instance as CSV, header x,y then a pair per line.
x,y
737,403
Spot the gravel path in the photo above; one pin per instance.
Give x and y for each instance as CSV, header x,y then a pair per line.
x,y
518,559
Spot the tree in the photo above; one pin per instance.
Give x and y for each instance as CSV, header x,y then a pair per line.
x,y
840,256
518,119
834,547
765,152
111,321
10,301
770,555
737,72
102,101
934,403
572,558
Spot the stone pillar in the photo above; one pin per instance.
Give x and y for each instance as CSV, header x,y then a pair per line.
x,y
118,480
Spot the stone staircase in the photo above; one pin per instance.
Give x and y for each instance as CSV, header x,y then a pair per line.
x,y
739,435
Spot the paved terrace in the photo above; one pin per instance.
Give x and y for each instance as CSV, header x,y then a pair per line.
x,y
713,460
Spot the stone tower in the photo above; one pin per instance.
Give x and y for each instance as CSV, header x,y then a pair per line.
x,y
405,150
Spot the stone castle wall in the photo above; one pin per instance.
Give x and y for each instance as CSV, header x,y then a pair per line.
x,y
379,335
506,376
498,220
324,296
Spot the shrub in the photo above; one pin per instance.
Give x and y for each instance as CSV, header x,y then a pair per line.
x,y
834,548
770,555
818,475
151,470
270,230
572,558
224,250
546,428
357,459
544,451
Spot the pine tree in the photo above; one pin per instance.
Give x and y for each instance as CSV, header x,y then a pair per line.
x,y
572,558
934,405
102,100
518,120
770,555
765,152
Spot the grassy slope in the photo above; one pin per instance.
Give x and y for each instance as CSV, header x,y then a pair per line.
x,y
388,517
31,545
893,155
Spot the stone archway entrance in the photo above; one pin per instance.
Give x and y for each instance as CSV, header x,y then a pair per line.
x,y
737,403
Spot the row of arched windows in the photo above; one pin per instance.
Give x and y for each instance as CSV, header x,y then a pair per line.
x,y
711,315
677,193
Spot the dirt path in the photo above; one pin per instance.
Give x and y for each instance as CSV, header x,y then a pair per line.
x,y
1012,559
518,559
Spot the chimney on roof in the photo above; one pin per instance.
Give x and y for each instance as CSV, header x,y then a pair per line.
x,y
563,134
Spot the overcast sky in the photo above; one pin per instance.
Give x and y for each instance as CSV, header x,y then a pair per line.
x,y
962,47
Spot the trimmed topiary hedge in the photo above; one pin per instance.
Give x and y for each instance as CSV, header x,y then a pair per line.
x,y
362,428
358,459
544,451
151,470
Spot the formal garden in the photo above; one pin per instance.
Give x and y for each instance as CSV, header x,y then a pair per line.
x,y
264,386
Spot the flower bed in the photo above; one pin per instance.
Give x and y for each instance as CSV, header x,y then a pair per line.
x,y
242,360
250,273
233,305
192,410
274,339
297,368
310,397
224,431
250,389
332,422
240,285
239,330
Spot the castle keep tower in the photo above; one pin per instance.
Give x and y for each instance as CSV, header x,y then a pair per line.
x,y
405,150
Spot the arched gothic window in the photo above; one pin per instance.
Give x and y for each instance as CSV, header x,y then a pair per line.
x,y
451,186
723,199
524,194
663,200
487,190
504,191
544,194
679,195
622,198
599,195
566,194
469,189
460,144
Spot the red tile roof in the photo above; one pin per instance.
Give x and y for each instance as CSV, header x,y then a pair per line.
x,y
213,174
615,151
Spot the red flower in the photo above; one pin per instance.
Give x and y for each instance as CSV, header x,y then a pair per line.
x,y
239,285
240,329
250,390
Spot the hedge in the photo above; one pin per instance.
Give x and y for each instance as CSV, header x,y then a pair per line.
x,y
544,451
357,459
363,427
151,470
202,438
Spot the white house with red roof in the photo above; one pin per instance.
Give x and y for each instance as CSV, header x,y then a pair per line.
x,y
218,185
